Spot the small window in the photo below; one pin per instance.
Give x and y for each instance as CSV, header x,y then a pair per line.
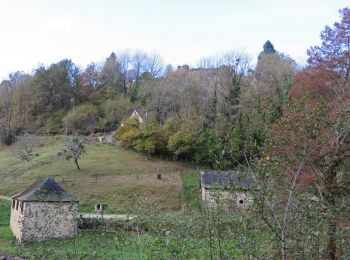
x,y
17,204
13,204
22,206
99,207
241,201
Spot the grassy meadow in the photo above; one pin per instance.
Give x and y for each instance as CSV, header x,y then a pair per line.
x,y
125,180
109,175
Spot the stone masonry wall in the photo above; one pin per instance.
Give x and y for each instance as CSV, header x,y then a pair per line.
x,y
228,200
16,223
43,221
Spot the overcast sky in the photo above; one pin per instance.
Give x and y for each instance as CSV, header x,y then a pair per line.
x,y
183,31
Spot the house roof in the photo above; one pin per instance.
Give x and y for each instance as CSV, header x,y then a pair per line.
x,y
137,116
45,190
225,180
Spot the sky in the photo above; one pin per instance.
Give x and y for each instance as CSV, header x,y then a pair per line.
x,y
182,31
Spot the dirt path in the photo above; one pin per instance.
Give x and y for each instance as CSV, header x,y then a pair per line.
x,y
105,217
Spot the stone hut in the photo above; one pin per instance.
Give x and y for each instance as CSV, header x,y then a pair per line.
x,y
43,211
229,189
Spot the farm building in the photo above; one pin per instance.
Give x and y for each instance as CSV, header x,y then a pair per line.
x,y
43,211
229,189
137,116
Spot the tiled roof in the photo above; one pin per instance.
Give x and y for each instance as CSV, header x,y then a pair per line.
x,y
45,190
225,180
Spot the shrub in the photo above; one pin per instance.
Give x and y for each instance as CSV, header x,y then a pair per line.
x,y
82,117
55,121
147,138
182,143
115,110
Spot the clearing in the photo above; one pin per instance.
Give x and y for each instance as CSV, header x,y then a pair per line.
x,y
109,175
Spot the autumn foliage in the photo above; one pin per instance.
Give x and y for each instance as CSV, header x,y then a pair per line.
x,y
314,133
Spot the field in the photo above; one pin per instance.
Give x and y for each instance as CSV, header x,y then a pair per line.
x,y
109,175
90,244
122,179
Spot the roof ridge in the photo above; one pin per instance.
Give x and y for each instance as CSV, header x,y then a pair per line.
x,y
45,189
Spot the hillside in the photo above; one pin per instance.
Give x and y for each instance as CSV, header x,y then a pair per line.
x,y
109,174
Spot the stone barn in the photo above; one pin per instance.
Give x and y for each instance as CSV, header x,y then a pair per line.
x,y
43,211
231,190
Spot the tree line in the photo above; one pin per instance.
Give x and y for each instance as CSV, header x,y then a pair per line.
x,y
288,126
206,114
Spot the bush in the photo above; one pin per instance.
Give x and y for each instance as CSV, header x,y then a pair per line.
x,y
147,138
208,146
82,117
182,143
115,110
55,121
128,133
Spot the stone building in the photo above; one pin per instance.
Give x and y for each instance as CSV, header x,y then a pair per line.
x,y
230,190
137,116
43,211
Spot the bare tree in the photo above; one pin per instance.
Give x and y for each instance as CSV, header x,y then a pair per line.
x,y
125,59
138,64
154,64
6,110
75,148
24,148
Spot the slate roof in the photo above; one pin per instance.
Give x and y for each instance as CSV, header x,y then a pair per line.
x,y
225,180
45,190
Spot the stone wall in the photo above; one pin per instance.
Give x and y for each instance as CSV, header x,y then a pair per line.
x,y
42,221
16,222
228,200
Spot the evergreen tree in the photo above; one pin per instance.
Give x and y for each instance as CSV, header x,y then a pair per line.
x,y
111,76
268,49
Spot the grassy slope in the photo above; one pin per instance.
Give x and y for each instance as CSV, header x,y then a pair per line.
x,y
86,245
89,244
109,175
5,232
192,195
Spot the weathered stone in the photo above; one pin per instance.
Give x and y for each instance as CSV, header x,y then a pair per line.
x,y
43,220
43,211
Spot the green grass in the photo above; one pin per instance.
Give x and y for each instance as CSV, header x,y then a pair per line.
x,y
86,245
6,237
109,175
184,242
192,193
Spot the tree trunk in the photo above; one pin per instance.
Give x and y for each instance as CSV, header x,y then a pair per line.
x,y
330,189
77,164
283,250
332,229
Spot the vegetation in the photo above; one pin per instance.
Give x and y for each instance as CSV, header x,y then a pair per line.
x,y
74,148
168,236
24,148
108,175
287,126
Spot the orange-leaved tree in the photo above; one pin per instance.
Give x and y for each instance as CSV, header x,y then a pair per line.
x,y
314,133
